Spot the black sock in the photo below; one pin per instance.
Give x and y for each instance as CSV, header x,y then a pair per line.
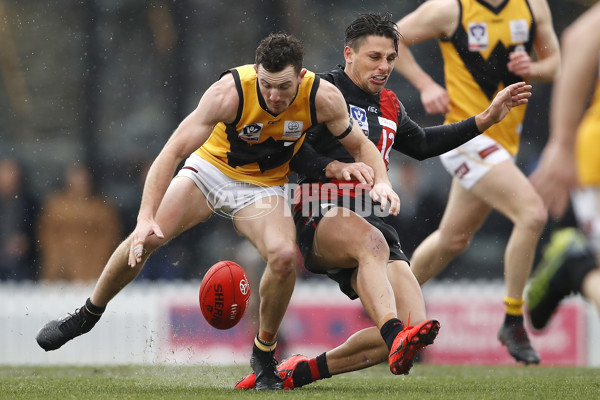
x,y
578,267
309,371
513,320
322,366
93,312
390,330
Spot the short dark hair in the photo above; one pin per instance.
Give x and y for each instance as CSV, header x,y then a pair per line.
x,y
371,24
278,50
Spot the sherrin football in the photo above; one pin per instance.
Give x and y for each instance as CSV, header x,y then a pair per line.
x,y
224,294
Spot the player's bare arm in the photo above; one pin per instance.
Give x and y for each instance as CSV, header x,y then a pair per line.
x,y
433,19
219,103
331,109
547,48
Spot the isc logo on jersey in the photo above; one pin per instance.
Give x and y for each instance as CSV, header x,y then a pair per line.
x,y
251,133
360,116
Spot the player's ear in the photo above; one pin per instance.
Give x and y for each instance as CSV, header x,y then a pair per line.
x,y
301,75
348,54
256,68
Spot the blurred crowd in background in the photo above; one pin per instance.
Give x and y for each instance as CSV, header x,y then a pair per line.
x,y
91,90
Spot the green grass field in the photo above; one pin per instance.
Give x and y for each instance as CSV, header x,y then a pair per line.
x,y
210,382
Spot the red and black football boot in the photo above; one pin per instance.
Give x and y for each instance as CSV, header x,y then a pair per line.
x,y
285,369
409,342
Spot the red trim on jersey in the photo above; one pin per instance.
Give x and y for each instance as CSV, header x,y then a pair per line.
x,y
389,107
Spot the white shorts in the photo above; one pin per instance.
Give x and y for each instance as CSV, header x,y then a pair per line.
x,y
471,161
224,194
586,206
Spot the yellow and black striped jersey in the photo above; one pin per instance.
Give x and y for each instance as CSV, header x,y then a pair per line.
x,y
258,146
475,62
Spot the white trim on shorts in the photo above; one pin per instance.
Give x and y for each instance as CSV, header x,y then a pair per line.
x,y
586,206
472,160
225,194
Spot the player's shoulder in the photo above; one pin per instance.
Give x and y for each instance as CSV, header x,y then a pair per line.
x,y
540,10
439,17
222,98
441,8
327,92
226,82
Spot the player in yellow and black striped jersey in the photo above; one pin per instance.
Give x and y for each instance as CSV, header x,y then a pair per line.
x,y
486,45
475,62
258,145
237,145
570,164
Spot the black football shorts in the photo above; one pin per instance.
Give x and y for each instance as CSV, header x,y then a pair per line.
x,y
308,217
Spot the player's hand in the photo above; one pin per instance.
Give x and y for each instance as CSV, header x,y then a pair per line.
x,y
143,230
357,171
383,193
435,99
511,96
520,64
555,177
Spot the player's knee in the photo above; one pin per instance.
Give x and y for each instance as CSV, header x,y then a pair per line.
x,y
454,244
371,244
534,218
282,260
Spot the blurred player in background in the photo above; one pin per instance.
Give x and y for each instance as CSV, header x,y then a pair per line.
x,y
486,45
570,163
237,145
354,248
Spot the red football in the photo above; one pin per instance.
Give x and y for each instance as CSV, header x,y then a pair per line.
x,y
224,294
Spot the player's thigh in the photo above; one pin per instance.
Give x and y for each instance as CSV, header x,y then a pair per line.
x,y
182,207
342,236
464,214
267,224
506,189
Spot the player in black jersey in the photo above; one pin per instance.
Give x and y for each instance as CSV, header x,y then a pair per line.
x,y
342,234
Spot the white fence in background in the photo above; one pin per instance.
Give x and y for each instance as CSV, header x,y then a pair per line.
x,y
154,323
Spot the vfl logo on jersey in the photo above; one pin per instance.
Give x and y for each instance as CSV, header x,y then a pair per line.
x,y
360,115
292,129
478,36
251,133
519,31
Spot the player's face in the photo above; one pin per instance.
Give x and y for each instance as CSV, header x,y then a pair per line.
x,y
278,88
371,65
